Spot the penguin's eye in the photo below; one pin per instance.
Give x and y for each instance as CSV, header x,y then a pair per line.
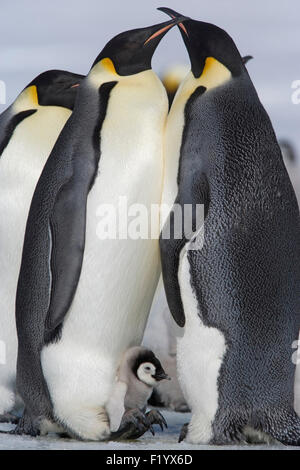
x,y
147,368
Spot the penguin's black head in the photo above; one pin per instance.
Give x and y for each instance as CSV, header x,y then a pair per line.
x,y
131,52
205,40
55,88
147,368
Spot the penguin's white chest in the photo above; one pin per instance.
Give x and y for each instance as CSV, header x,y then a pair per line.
x,y
118,276
21,164
200,353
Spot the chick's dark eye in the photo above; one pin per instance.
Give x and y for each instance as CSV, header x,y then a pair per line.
x,y
147,368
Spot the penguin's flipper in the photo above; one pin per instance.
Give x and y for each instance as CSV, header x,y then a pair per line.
x,y
8,123
170,250
67,233
171,244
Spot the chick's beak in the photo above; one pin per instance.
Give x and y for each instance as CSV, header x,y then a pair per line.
x,y
161,376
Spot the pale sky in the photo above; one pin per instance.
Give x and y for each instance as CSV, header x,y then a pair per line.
x,y
37,35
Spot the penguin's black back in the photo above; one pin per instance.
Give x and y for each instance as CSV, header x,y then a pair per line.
x,y
246,278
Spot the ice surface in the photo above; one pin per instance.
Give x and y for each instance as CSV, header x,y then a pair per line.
x,y
166,440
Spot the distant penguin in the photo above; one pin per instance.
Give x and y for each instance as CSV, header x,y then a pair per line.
x,y
237,296
172,77
28,131
139,372
291,160
83,297
288,151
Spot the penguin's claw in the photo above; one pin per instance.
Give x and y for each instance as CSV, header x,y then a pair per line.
x,y
151,429
133,425
183,432
155,417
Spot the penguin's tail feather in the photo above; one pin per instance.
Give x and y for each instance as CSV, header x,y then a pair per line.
x,y
283,426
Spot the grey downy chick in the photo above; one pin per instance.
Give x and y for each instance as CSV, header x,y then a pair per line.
x,y
138,373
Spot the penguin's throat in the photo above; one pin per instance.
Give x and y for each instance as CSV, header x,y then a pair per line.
x,y
214,74
28,99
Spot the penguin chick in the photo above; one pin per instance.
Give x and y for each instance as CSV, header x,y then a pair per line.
x,y
139,372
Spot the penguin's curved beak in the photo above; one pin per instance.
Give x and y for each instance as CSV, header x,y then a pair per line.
x,y
158,31
131,52
176,16
189,32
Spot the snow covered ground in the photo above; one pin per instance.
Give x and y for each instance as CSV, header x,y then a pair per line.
x,y
166,440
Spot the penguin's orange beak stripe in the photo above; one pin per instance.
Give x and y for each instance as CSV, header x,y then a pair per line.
x,y
183,28
74,86
181,25
158,33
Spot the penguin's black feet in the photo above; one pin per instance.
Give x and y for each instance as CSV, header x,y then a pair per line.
x,y
26,426
133,425
9,418
155,417
183,432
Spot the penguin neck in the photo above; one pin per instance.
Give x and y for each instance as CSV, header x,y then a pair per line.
x,y
214,74
104,71
26,100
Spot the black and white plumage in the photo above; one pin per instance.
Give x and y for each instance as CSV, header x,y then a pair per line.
x,y
82,298
29,128
238,295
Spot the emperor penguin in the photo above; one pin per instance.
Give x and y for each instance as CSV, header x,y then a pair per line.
x,y
28,131
233,281
83,295
138,373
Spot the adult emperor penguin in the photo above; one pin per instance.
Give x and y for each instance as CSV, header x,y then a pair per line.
x,y
82,300
28,131
238,296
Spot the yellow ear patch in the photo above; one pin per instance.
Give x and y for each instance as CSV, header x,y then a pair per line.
x,y
209,63
214,73
32,95
108,65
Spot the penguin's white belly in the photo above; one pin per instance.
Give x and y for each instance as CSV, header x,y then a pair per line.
x,y
20,166
118,277
200,353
